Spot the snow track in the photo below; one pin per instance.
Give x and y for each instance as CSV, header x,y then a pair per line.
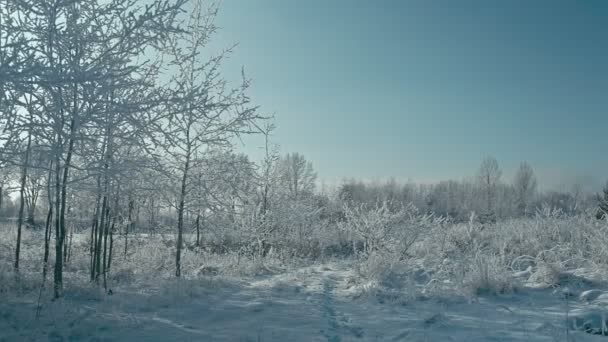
x,y
339,324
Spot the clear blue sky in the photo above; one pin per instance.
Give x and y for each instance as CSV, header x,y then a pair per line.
x,y
425,89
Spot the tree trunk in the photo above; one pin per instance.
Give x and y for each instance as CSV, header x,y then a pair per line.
x,y
93,241
22,200
31,215
100,228
49,220
111,249
198,230
110,232
180,216
61,196
128,225
65,249
69,244
152,220
57,280
31,199
105,228
47,240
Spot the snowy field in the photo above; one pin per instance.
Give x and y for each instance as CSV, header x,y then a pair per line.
x,y
316,303
232,297
152,190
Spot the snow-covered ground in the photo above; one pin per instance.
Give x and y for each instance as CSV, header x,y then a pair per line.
x,y
313,303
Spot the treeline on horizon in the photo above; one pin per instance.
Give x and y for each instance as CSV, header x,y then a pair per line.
x,y
485,198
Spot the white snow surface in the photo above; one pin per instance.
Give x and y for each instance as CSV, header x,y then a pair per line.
x,y
314,303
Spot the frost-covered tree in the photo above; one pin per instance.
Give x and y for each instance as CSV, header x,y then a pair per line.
x,y
64,66
488,178
297,175
353,191
203,111
524,185
268,175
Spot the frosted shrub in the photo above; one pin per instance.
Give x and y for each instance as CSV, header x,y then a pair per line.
x,y
385,279
383,229
377,267
545,275
288,229
392,238
486,274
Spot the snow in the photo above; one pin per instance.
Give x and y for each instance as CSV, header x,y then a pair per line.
x,y
312,303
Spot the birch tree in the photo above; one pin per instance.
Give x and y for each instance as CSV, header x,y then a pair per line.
x,y
204,111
